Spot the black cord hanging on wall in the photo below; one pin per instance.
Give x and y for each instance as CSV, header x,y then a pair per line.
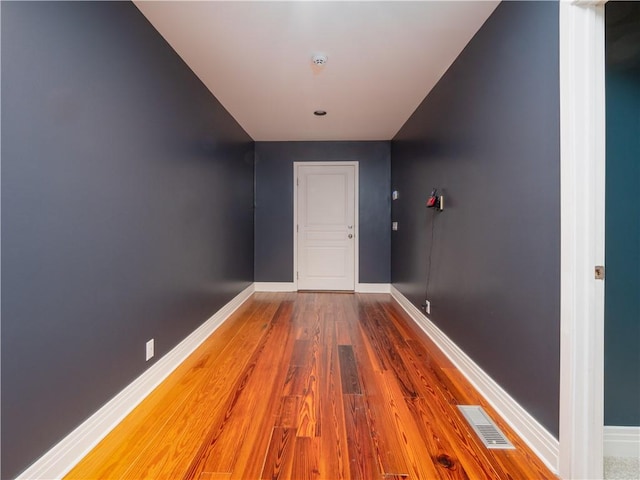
x,y
429,262
436,202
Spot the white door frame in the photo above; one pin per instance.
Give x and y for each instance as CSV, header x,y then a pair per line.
x,y
356,228
582,186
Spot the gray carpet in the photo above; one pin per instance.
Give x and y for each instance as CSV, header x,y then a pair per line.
x,y
621,468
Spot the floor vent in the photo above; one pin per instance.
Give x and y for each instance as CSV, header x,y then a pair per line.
x,y
489,433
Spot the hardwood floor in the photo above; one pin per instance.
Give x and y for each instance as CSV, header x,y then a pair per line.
x,y
310,386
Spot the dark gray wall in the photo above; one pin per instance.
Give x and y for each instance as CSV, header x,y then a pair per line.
x,y
127,195
622,285
274,205
488,136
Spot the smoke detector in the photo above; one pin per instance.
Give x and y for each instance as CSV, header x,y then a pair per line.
x,y
319,59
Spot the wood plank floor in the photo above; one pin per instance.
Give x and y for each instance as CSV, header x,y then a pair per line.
x,y
310,386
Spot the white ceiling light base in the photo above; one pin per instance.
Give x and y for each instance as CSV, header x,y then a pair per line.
x,y
319,59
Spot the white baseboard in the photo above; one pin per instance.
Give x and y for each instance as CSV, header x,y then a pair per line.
x,y
545,445
58,461
621,441
291,287
373,288
275,286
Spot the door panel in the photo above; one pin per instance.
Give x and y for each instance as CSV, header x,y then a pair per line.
x,y
325,227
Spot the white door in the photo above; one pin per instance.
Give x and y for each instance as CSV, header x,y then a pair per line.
x,y
326,230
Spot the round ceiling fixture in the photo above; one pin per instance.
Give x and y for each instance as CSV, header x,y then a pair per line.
x,y
320,113
319,59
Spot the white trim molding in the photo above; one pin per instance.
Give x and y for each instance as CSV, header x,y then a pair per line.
x,y
622,441
58,461
275,286
291,287
528,428
373,288
582,183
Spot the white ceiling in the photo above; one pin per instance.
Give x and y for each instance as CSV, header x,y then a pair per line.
x,y
383,59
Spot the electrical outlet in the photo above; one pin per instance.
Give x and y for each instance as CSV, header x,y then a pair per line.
x,y
394,226
427,306
150,350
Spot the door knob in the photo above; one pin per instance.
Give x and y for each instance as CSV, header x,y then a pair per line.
x,y
350,236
